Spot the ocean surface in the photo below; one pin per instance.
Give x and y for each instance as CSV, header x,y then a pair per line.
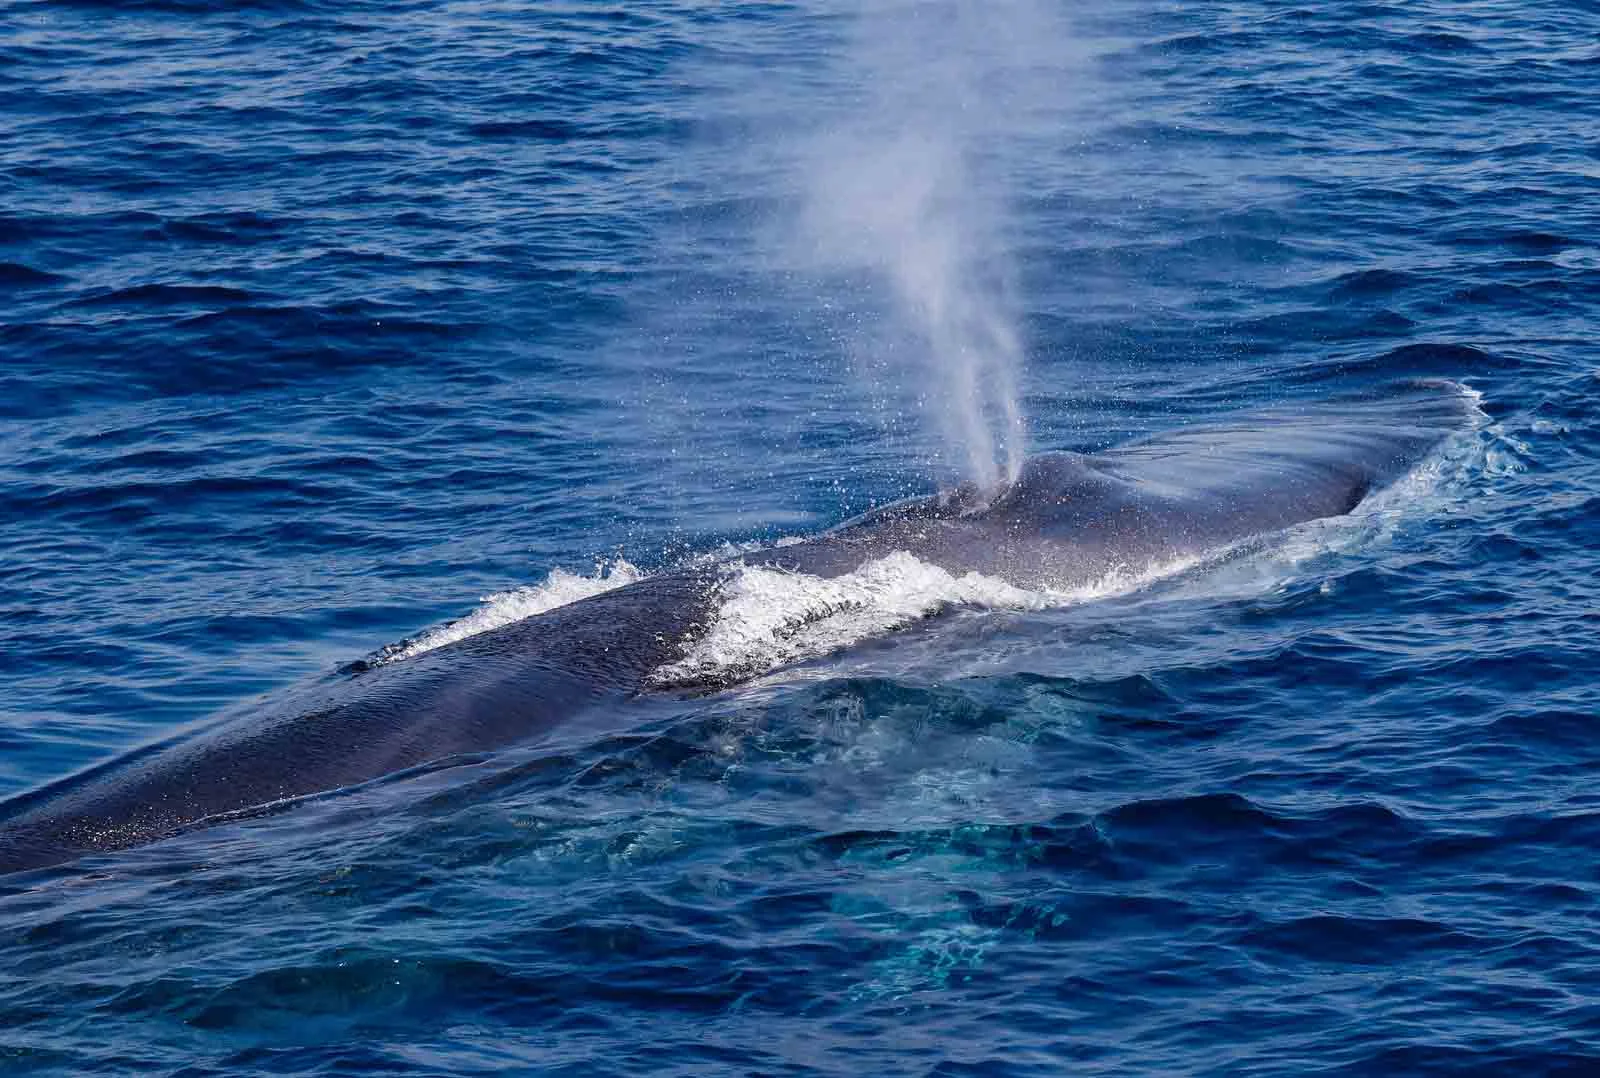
x,y
332,329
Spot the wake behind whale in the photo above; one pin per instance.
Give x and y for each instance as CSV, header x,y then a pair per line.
x,y
1070,525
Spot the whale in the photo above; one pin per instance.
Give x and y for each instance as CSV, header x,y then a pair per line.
x,y
1065,520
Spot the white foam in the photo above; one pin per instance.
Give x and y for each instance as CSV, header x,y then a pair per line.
x,y
771,618
505,607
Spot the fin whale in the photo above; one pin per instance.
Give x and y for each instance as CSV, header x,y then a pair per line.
x,y
1068,519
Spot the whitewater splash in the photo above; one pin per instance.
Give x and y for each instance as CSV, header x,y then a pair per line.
x,y
560,588
770,618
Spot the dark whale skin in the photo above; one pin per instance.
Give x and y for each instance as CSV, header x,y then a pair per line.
x,y
1067,520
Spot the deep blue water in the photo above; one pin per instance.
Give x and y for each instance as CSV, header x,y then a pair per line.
x,y
320,320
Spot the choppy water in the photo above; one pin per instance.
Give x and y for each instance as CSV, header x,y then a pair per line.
x,y
323,320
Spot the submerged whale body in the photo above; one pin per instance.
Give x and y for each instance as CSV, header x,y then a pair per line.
x,y
1066,521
